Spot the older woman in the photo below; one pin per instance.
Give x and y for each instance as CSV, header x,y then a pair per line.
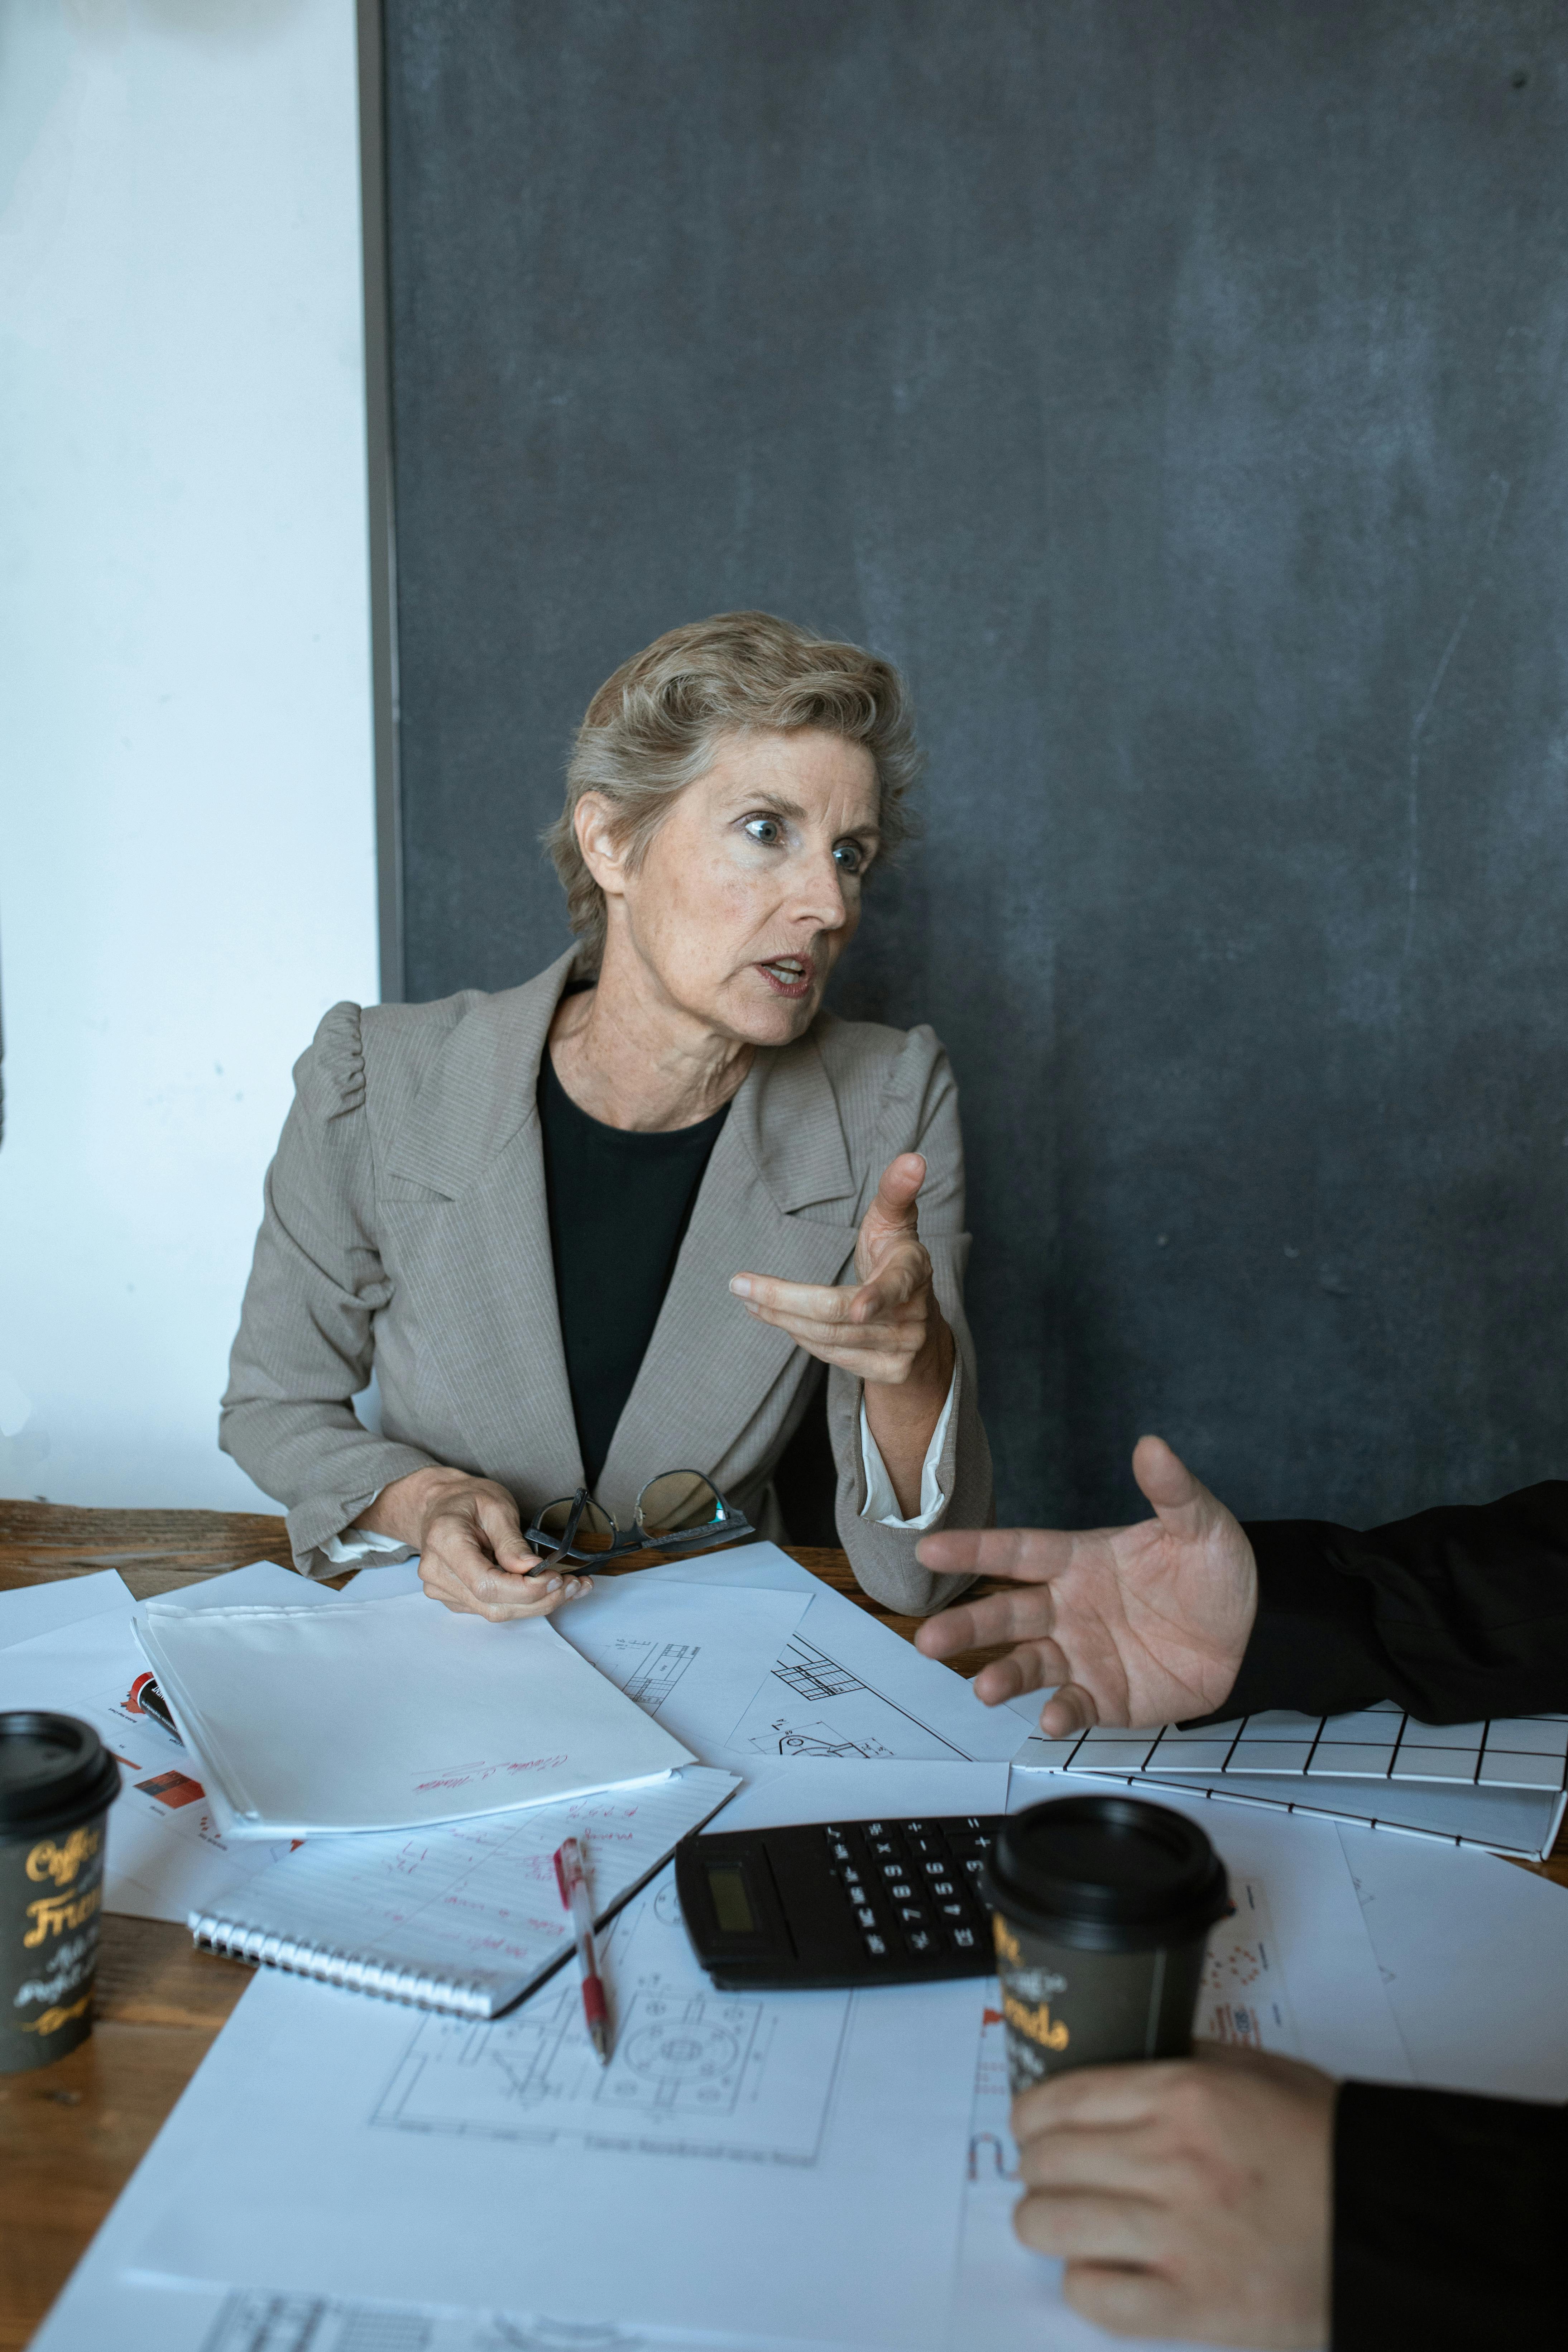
x,y
612,1221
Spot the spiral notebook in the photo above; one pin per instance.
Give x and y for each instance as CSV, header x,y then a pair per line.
x,y
466,1919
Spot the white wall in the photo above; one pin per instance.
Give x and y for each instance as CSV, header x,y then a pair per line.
x,y
187,853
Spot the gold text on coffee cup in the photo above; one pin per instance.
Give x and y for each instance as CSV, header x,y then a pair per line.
x,y
62,1863
52,1914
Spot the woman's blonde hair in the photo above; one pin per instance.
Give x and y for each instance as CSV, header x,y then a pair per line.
x,y
655,726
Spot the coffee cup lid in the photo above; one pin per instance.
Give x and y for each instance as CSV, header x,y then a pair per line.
x,y
53,1770
1110,1872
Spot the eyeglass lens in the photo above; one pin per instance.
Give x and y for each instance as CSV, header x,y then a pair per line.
x,y
678,1503
594,1529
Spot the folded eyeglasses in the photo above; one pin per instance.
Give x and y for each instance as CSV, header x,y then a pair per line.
x,y
678,1511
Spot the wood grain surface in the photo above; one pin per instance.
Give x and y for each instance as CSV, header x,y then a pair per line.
x,y
72,2133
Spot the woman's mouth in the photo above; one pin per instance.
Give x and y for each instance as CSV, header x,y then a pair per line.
x,y
788,975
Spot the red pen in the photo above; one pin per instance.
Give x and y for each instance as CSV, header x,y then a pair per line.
x,y
573,1881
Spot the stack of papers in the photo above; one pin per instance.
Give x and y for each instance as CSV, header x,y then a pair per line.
x,y
1500,1785
391,1716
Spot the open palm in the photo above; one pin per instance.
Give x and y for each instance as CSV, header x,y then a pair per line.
x,y
1142,1626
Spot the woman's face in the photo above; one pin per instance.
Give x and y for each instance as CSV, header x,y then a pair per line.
x,y
750,890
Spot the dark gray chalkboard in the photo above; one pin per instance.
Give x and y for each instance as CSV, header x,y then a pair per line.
x,y
1175,389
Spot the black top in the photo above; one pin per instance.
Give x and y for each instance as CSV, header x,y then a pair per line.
x,y
1447,2206
620,1202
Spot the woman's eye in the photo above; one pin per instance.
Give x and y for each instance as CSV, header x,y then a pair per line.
x,y
763,829
850,856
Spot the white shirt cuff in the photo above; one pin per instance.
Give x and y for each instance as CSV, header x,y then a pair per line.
x,y
358,1543
881,1503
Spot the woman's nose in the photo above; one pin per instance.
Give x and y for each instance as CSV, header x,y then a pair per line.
x,y
820,896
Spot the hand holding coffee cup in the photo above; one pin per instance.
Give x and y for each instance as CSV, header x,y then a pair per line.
x,y
1101,1907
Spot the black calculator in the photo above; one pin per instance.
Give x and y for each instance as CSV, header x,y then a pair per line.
x,y
838,1903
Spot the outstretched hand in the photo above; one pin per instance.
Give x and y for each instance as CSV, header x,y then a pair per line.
x,y
1142,1625
885,1326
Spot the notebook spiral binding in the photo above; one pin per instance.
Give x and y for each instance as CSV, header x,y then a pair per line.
x,y
353,1971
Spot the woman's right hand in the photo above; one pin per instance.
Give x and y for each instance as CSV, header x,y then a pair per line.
x,y
468,1536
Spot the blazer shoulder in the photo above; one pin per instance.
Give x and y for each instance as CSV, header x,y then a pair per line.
x,y
874,1069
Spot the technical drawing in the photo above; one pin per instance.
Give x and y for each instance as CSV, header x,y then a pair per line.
x,y
812,1675
257,2320
993,2153
252,2320
1243,1998
828,1710
651,1669
782,1737
692,2072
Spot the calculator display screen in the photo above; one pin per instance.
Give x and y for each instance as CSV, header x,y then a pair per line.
x,y
732,1906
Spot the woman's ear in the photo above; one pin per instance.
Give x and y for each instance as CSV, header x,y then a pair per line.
x,y
601,852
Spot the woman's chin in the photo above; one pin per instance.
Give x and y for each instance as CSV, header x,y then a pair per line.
x,y
773,1019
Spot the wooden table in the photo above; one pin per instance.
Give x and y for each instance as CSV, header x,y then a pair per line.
x,y
72,2133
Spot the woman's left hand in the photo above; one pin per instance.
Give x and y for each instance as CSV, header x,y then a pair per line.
x,y
887,1328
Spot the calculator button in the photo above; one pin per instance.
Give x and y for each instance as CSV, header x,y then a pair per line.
x,y
962,1938
955,1911
877,1946
943,1886
920,1939
912,1912
866,1916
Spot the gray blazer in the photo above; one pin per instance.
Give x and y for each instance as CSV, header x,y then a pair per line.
x,y
406,1229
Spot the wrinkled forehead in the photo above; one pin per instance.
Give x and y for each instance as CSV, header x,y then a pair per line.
x,y
809,775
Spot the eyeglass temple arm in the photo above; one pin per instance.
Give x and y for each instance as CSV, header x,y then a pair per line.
x,y
579,1504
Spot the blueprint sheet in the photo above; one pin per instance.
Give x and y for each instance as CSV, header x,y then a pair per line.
x,y
1474,1955
474,2167
843,1685
409,2185
690,1658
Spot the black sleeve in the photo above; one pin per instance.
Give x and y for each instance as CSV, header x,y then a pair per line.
x,y
1457,1614
1447,2211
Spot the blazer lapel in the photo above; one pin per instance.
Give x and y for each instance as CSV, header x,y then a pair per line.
x,y
474,1138
780,1154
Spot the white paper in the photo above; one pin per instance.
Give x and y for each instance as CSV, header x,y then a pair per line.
x,y
102,2309
390,1716
844,1684
165,1850
815,1789
395,2166
783,2166
1474,1954
693,1658
461,1916
1492,1819
1378,1743
34,1610
1287,1972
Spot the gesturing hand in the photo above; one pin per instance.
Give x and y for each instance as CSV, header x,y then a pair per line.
x,y
887,1328
1188,2200
1137,1625
472,1557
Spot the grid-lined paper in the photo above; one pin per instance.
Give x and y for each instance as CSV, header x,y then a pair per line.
x,y
1381,1743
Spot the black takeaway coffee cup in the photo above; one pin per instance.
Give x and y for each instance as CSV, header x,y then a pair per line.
x,y
57,1781
1101,1909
